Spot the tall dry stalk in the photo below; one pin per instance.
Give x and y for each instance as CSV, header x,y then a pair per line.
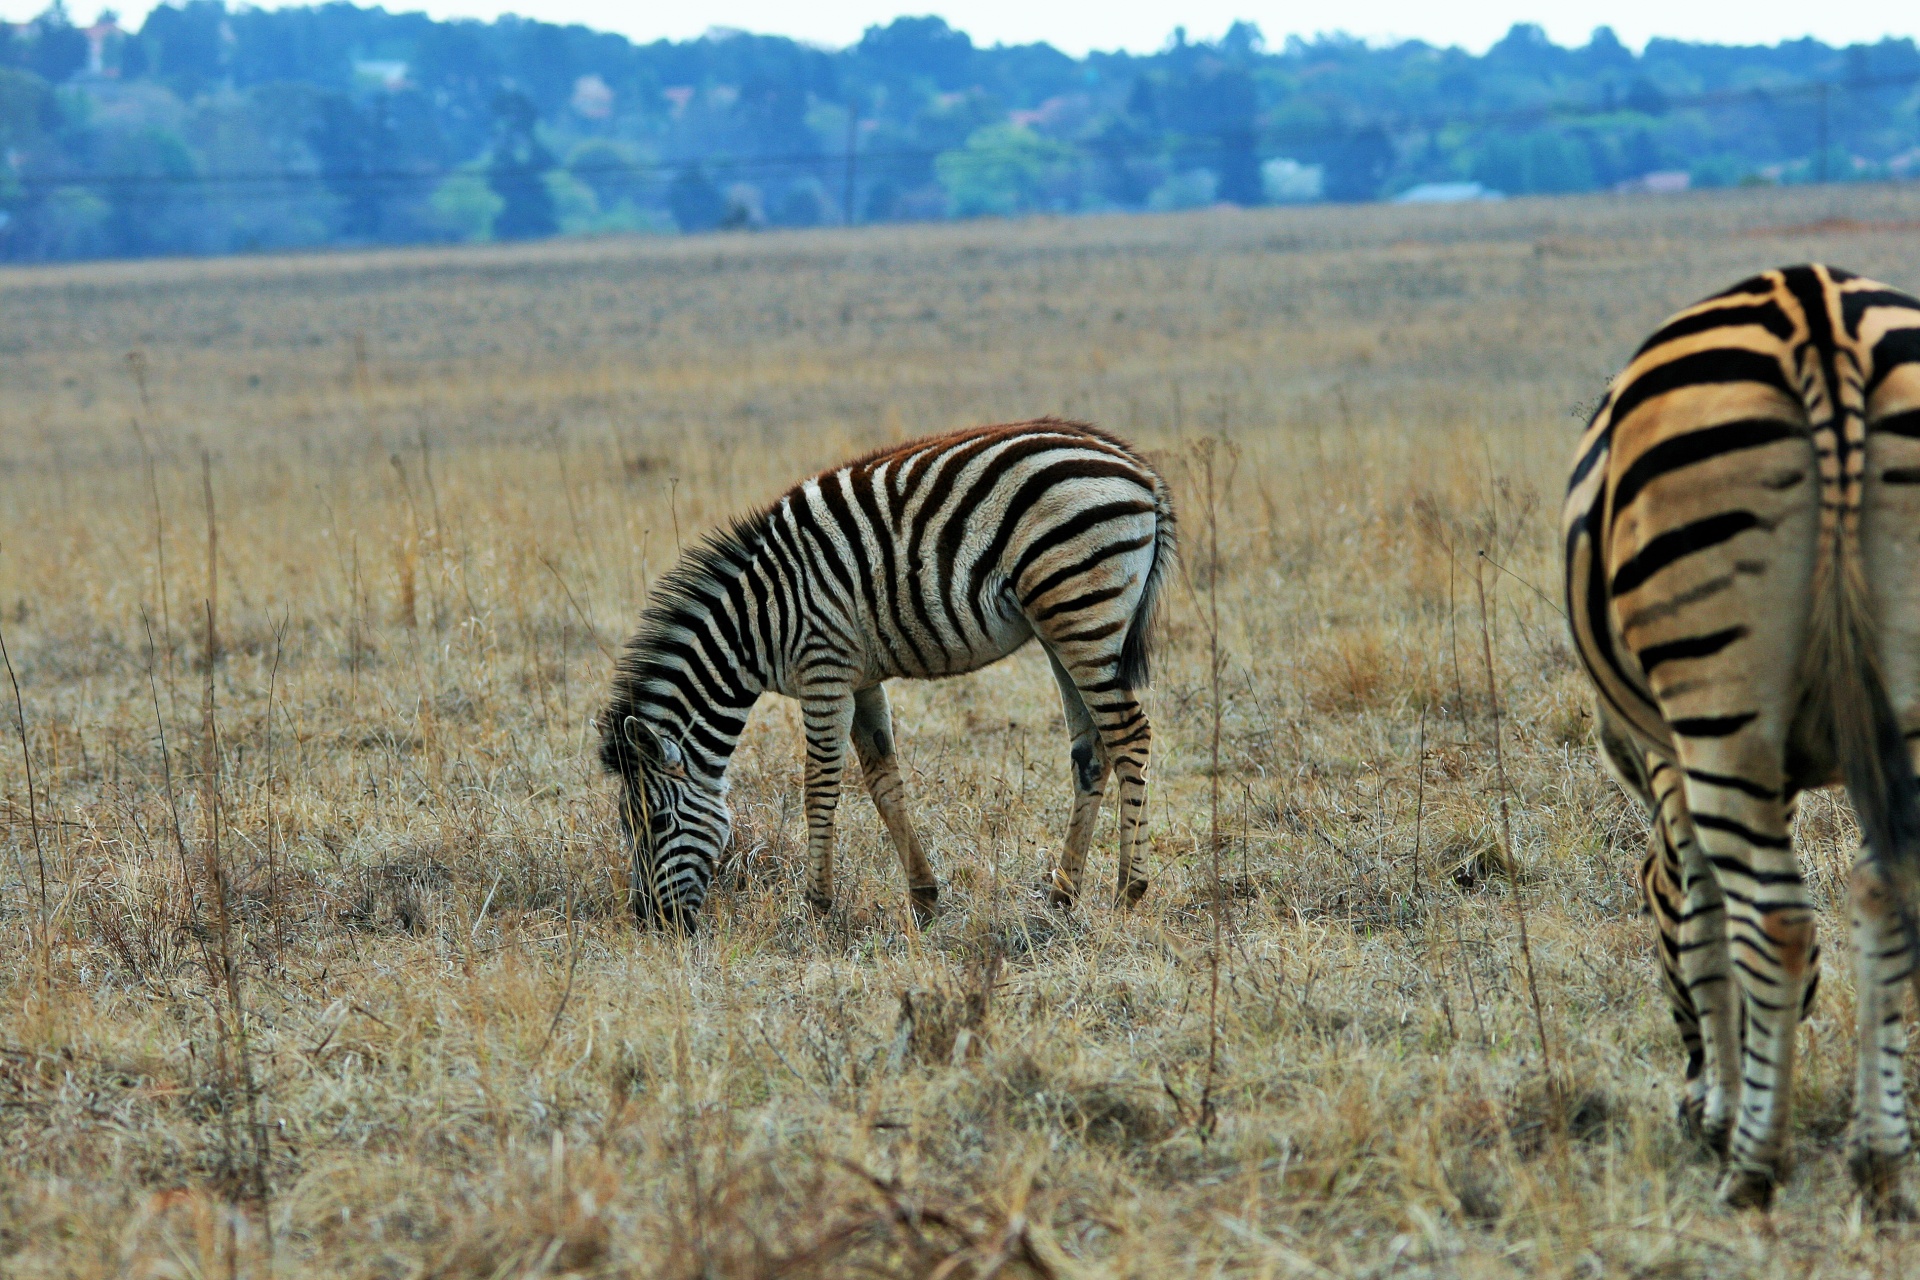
x,y
33,797
273,865
166,773
137,362
1506,840
408,554
1204,455
213,559
1419,795
232,1049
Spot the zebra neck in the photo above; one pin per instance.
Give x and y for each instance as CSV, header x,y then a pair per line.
x,y
698,663
696,683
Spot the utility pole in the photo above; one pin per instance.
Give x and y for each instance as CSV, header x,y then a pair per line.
x,y
1820,166
853,120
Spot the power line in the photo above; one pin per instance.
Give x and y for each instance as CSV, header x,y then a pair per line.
x,y
1226,141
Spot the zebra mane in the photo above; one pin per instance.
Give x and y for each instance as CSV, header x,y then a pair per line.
x,y
678,599
1047,422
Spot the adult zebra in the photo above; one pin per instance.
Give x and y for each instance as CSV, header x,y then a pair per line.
x,y
1744,589
930,558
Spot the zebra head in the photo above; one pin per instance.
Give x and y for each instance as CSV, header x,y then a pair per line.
x,y
677,826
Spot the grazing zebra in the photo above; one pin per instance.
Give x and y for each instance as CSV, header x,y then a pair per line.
x,y
930,558
1743,584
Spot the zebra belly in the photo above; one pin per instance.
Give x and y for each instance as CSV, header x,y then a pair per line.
x,y
1006,632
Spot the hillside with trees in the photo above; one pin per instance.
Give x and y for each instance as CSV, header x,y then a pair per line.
x,y
216,130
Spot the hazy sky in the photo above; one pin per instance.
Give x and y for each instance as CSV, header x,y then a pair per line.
x,y
1077,25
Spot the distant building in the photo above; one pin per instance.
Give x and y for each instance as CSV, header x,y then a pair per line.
x,y
592,98
1664,182
1447,193
100,36
382,73
1285,181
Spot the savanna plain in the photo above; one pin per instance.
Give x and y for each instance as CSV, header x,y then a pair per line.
x,y
315,955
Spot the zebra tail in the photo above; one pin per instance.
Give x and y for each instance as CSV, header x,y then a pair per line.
x,y
1136,651
1857,718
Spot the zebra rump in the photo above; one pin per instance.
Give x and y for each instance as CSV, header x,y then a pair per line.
x,y
1744,593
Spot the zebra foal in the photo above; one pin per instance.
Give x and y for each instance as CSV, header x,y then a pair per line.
x,y
1742,542
931,558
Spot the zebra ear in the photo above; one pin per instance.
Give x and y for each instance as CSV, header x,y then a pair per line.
x,y
651,747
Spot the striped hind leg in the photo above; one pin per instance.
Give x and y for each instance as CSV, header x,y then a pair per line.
x,y
1091,768
873,743
1881,1141
1124,744
1128,738
1740,821
1690,915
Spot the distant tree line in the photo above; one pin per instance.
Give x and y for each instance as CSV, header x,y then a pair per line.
x,y
213,130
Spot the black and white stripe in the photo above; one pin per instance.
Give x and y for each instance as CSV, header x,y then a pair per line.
x,y
931,558
1743,583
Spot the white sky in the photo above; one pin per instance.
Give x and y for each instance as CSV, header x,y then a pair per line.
x,y
1077,25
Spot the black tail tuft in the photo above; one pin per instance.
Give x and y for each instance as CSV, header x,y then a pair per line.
x,y
1136,651
1866,737
1881,783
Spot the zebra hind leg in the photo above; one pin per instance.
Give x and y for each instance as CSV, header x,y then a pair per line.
x,y
1689,915
1738,829
1665,901
1127,738
1703,966
1881,1140
1091,768
873,743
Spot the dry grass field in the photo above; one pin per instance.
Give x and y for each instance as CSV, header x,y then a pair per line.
x,y
314,957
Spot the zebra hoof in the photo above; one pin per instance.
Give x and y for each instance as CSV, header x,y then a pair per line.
x,y
1878,1178
1061,894
1131,892
1713,1139
1749,1189
822,904
925,899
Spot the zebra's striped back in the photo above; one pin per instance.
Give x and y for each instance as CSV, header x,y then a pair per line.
x,y
930,558
1744,590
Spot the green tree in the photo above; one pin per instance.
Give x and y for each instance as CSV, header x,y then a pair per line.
x,y
144,175
466,206
1002,169
58,49
517,171
696,204
74,224
27,108
1538,162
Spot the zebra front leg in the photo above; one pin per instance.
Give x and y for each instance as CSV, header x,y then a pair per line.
x,y
1090,769
1882,964
873,742
829,721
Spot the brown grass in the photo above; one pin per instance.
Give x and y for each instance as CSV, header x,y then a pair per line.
x,y
441,483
